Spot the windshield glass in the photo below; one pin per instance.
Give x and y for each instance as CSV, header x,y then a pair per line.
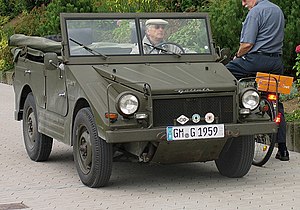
x,y
108,37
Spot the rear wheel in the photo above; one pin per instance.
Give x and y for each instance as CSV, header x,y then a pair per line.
x,y
92,155
236,157
264,143
38,145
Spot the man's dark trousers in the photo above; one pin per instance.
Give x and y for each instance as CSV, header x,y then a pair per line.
x,y
249,65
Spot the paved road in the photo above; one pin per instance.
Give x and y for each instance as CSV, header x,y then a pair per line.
x,y
55,184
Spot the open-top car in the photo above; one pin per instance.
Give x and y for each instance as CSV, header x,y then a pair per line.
x,y
111,91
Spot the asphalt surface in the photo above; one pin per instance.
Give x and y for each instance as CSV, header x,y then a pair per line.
x,y
55,184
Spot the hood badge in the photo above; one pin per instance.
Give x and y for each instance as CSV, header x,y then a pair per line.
x,y
209,117
193,90
196,118
182,119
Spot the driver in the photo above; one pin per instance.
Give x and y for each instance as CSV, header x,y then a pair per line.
x,y
154,36
155,32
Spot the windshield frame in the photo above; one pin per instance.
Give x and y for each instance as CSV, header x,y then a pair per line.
x,y
134,58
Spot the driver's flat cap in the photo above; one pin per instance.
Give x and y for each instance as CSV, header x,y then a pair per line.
x,y
156,22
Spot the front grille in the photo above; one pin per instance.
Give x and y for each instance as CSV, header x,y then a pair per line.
x,y
166,111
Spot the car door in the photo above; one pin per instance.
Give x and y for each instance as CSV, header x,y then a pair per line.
x,y
56,91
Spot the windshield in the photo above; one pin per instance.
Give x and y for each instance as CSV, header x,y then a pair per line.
x,y
137,36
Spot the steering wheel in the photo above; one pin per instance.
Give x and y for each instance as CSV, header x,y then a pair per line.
x,y
160,45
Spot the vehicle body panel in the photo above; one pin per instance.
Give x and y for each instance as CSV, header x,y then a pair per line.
x,y
172,79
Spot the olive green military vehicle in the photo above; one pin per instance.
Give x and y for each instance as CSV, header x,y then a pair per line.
x,y
109,91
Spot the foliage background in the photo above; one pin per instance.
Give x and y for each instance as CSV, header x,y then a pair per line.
x,y
41,17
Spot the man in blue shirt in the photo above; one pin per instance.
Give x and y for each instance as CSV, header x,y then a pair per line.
x,y
260,50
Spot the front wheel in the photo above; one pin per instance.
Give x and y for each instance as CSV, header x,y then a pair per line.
x,y
235,160
92,155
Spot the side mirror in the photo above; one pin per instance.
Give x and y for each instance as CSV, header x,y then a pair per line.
x,y
224,55
51,61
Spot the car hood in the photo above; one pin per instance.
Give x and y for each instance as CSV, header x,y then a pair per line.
x,y
171,78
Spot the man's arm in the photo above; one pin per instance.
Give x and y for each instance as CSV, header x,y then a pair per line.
x,y
243,49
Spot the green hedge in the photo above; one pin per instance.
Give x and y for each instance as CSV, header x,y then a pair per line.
x,y
226,17
13,8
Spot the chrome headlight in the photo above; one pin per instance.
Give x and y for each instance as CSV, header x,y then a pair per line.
x,y
250,98
127,104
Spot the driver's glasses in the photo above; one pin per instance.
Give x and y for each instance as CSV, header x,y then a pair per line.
x,y
159,26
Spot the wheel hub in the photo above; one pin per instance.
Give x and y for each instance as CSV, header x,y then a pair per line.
x,y
85,151
31,128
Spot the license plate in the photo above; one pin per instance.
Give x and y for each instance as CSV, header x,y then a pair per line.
x,y
195,132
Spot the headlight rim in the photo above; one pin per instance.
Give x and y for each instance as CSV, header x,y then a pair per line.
x,y
244,91
118,107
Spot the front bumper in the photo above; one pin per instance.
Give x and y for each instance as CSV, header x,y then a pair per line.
x,y
159,134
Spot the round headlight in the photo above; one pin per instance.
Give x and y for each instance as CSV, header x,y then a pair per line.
x,y
250,99
127,104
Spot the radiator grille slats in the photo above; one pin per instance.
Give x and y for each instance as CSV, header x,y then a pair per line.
x,y
165,111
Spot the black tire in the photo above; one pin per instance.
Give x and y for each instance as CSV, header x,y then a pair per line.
x,y
264,143
38,145
92,155
236,157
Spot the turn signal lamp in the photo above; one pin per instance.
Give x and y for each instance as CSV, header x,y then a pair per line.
x,y
272,97
278,119
111,116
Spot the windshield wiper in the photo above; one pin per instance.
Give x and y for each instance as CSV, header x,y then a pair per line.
x,y
94,52
163,50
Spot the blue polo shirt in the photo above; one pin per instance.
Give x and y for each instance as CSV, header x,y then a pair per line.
x,y
264,27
